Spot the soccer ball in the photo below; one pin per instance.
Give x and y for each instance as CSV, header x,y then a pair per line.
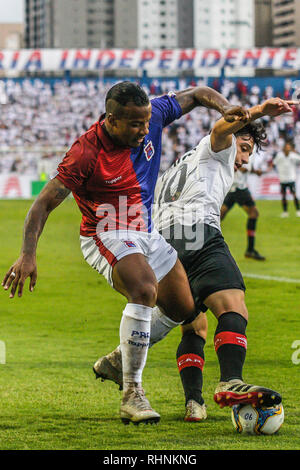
x,y
249,419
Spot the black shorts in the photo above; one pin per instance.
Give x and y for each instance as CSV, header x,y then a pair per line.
x,y
240,196
210,268
291,186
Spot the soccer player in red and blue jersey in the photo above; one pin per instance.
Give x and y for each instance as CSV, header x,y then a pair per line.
x,y
112,171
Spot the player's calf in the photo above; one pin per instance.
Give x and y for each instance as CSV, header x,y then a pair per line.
x,y
190,363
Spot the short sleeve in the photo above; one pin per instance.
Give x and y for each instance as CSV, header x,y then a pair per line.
x,y
75,168
223,155
165,110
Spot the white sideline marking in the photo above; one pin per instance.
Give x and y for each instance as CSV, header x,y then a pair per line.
x,y
272,278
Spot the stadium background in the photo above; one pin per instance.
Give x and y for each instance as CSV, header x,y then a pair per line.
x,y
41,117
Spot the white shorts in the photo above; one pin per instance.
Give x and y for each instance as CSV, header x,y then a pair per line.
x,y
103,251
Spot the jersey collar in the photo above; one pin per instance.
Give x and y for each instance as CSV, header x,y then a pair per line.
x,y
107,142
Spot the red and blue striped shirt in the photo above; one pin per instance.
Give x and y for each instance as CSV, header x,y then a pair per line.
x,y
114,186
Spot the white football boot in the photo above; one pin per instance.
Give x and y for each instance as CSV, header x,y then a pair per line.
x,y
110,368
194,412
135,407
236,392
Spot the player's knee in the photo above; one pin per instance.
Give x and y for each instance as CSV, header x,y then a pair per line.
x,y
202,331
181,312
187,311
240,306
180,315
253,213
228,301
187,327
241,309
199,326
144,293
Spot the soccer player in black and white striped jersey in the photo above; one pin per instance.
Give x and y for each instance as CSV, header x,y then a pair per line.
x,y
188,201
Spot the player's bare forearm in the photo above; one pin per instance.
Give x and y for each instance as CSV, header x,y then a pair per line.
x,y
210,98
50,197
222,130
201,96
33,227
272,107
25,266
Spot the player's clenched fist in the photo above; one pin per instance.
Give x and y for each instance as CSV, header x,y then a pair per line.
x,y
236,113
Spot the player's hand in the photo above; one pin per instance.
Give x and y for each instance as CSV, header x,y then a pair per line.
x,y
16,276
276,106
236,113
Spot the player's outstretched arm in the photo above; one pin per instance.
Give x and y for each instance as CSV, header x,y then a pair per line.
x,y
25,266
210,98
221,135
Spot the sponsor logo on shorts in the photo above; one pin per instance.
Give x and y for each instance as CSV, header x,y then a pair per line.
x,y
129,244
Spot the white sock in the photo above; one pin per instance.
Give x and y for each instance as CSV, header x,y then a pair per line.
x,y
134,341
161,325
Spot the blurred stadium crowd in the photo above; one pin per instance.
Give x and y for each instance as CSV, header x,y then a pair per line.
x,y
39,120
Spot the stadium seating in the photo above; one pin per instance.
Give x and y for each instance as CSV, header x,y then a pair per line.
x,y
41,118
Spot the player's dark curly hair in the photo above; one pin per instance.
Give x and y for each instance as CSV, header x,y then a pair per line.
x,y
257,131
125,92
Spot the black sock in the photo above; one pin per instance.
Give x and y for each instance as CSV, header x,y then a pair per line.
x,y
296,203
251,227
190,362
230,345
284,205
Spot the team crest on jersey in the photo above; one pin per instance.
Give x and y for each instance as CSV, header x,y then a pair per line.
x,y
149,150
129,244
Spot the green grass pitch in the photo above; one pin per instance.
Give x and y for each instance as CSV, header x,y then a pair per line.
x,y
49,396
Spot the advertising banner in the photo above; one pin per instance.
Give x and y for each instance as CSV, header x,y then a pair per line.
x,y
15,186
43,60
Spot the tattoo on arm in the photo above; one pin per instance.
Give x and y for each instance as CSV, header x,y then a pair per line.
x,y
50,197
62,193
201,96
186,101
